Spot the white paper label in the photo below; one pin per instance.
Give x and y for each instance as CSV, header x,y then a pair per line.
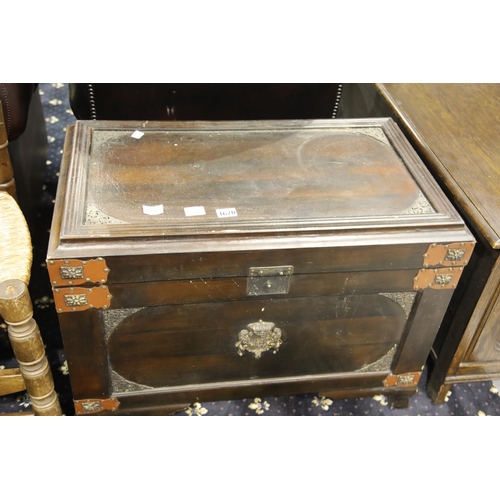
x,y
226,212
137,134
190,211
155,210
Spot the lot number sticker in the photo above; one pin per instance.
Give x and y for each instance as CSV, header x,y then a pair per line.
x,y
226,212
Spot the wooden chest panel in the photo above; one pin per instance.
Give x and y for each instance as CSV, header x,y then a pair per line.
x,y
331,273
196,343
200,175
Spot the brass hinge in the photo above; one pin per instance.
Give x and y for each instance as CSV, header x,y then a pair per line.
x,y
437,279
403,380
269,280
453,254
71,272
90,406
80,299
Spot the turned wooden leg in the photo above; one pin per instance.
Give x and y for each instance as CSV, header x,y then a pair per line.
x,y
17,311
7,182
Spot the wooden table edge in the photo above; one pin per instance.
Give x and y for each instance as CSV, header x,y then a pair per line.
x,y
491,236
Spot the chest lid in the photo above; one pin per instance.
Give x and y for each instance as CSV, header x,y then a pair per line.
x,y
133,187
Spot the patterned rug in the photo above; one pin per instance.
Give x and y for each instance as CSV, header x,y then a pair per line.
x,y
475,399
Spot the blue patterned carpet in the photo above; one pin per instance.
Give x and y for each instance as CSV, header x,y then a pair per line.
x,y
477,399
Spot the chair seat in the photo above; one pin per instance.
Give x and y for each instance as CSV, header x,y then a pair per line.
x,y
15,250
16,308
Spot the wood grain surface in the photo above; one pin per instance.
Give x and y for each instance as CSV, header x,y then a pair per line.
x,y
278,176
458,126
195,344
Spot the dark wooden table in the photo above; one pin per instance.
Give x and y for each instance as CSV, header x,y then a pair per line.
x,y
456,130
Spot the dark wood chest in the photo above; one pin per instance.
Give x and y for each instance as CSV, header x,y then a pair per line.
x,y
200,261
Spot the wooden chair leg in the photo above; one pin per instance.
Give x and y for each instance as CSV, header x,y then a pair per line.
x,y
7,182
17,311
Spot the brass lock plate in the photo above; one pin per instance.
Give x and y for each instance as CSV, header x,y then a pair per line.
x,y
269,280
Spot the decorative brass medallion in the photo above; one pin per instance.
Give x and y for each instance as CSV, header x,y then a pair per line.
x,y
76,300
452,254
71,273
443,279
402,380
90,406
258,338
